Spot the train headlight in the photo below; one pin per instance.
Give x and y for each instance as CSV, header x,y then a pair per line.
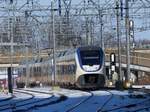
x,y
110,83
127,84
90,68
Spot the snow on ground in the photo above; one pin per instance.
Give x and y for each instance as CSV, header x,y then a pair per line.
x,y
90,101
4,96
73,99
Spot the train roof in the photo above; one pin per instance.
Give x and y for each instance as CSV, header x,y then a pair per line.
x,y
90,48
62,53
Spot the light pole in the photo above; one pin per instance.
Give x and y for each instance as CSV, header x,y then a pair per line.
x,y
127,40
54,46
11,36
26,51
119,41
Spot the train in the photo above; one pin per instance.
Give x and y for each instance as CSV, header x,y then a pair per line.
x,y
82,67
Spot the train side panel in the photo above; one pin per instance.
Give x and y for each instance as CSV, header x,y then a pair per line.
x,y
66,70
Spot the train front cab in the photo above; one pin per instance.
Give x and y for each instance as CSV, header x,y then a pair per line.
x,y
90,68
91,81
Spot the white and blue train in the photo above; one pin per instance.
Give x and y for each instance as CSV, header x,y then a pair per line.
x,y
82,67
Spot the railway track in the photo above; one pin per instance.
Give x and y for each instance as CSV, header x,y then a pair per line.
x,y
147,108
6,99
75,106
80,103
133,107
100,109
129,106
11,105
99,106
33,104
43,102
106,102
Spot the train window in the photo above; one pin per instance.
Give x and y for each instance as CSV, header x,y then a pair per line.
x,y
90,57
59,55
36,60
24,70
34,69
64,53
39,68
41,59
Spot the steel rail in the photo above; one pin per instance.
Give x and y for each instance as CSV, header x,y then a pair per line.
x,y
79,103
7,99
44,102
106,102
126,106
10,106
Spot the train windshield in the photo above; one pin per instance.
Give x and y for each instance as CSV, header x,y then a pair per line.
x,y
90,57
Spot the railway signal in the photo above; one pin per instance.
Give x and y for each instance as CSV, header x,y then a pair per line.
x,y
131,32
114,77
112,61
112,66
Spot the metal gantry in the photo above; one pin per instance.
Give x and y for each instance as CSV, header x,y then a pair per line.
x,y
88,22
88,8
